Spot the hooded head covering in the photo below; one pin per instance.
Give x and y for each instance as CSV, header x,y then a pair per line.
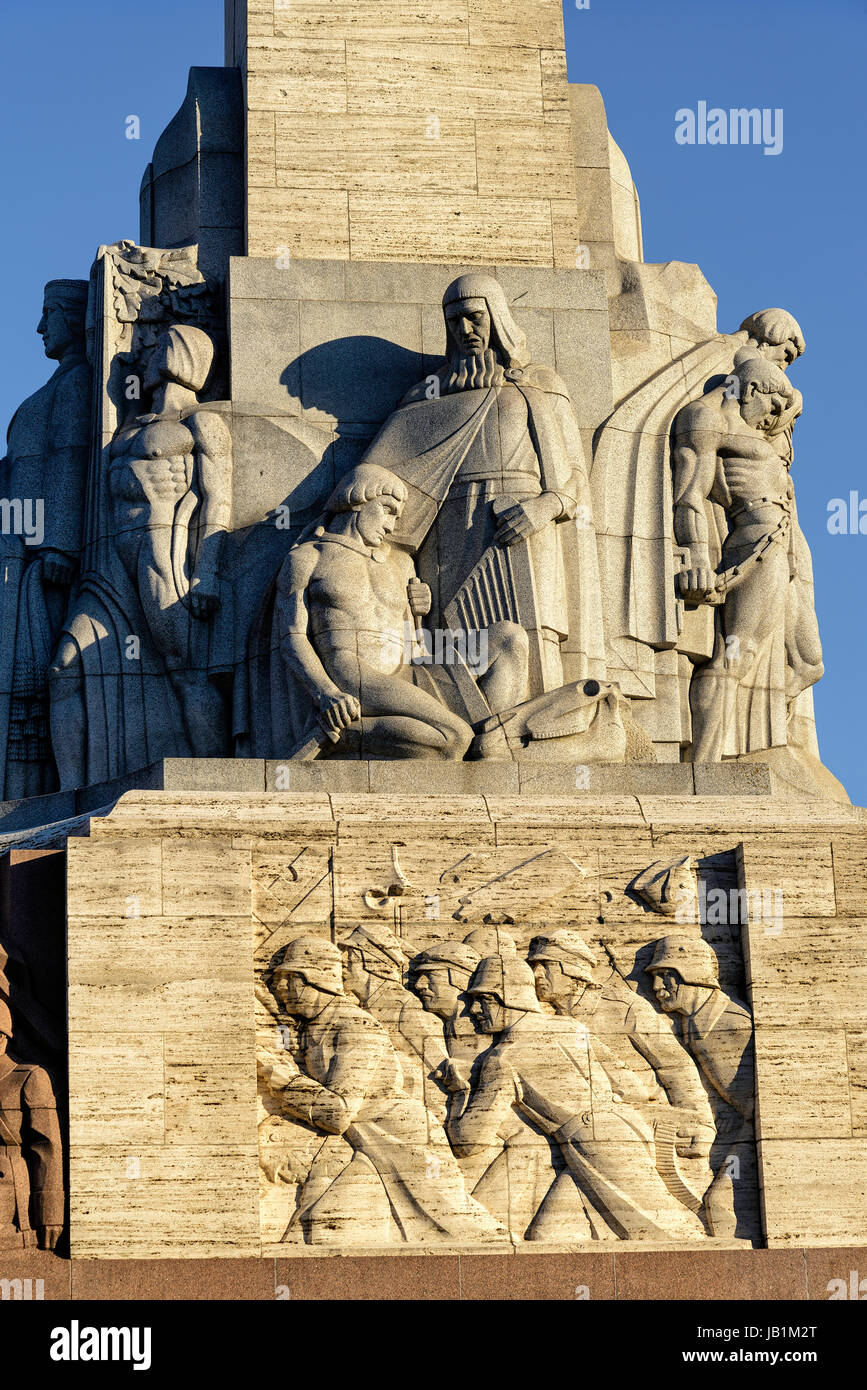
x,y
189,356
506,336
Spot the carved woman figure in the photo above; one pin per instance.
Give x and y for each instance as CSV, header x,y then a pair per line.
x,y
130,682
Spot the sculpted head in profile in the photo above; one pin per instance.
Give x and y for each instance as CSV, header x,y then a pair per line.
x,y
562,965
440,976
765,397
308,977
366,505
774,334
484,345
61,326
683,972
371,955
502,990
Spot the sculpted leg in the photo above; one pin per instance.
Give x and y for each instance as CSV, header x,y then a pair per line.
x,y
408,721
204,713
708,702
504,684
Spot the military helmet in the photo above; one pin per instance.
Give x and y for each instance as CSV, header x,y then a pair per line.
x,y
5,1020
491,941
453,954
693,959
316,960
569,949
509,979
379,945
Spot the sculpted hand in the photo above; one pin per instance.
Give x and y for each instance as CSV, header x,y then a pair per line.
x,y
49,1236
697,585
278,1072
58,569
694,1141
204,596
519,521
420,598
339,711
453,1078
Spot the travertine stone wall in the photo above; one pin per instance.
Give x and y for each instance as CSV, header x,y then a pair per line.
x,y
381,130
171,892
163,1079
609,216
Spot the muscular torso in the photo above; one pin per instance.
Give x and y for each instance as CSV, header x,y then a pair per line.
x,y
151,468
749,465
351,595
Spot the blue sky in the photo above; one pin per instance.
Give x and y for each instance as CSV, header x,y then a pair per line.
x,y
766,230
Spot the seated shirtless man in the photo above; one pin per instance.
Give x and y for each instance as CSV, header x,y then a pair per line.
x,y
346,600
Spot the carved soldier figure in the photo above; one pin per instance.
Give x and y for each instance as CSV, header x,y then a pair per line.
x,y
627,1029
766,640
386,1170
546,1068
130,682
718,1031
440,976
31,1164
373,965
44,474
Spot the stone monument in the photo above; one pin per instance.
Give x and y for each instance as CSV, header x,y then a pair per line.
x,y
415,671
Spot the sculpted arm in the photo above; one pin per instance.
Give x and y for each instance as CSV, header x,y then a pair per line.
x,y
488,1106
572,487
213,445
67,471
561,477
293,625
333,1107
675,1069
44,1153
694,455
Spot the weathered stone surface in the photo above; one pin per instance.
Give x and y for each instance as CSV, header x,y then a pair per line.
x,y
193,189
400,879
594,973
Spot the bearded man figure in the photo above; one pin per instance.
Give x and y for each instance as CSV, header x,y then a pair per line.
x,y
491,453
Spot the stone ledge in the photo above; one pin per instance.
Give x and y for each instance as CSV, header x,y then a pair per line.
x,y
801,1273
656,790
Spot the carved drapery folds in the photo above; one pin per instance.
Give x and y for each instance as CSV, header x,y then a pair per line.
x,y
468,589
